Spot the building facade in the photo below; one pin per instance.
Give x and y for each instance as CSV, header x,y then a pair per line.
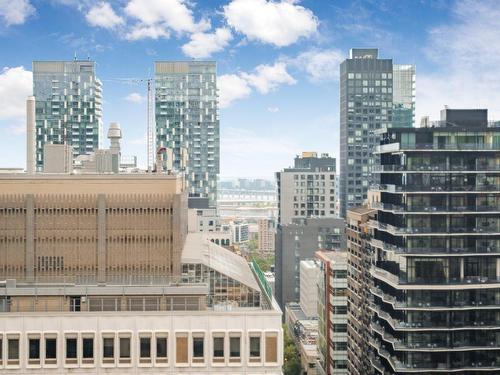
x,y
296,242
359,259
332,313
266,236
187,122
307,189
309,273
374,94
436,238
68,104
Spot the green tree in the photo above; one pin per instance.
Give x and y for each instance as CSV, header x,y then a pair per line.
x,y
291,365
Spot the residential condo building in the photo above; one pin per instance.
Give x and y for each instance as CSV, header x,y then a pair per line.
x,y
374,94
187,122
436,244
68,105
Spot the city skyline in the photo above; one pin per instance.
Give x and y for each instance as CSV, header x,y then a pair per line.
x,y
275,82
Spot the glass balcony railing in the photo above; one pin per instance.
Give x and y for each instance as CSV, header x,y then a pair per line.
x,y
435,168
391,188
395,146
434,208
445,229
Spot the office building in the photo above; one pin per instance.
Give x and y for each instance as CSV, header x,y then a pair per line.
x,y
266,237
98,274
307,189
187,122
332,313
240,231
309,273
374,94
436,241
359,260
68,101
296,242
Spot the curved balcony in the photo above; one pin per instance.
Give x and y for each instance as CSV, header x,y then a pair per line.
x,y
432,251
419,368
432,306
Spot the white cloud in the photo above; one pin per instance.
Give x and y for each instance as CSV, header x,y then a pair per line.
x,y
467,55
273,109
232,87
135,97
103,15
15,86
143,31
15,12
204,45
320,65
280,23
139,141
268,78
157,17
264,79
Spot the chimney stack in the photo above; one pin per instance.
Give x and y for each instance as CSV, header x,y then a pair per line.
x,y
30,135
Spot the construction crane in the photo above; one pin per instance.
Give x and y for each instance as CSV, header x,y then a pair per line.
x,y
150,135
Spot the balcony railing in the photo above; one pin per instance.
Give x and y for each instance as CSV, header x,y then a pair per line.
x,y
442,168
391,188
391,147
445,229
426,250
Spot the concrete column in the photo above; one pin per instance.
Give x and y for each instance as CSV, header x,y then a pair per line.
x,y
30,136
30,237
101,238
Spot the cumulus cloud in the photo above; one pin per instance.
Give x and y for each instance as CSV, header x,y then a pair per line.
x,y
319,65
15,87
135,97
279,23
15,12
231,88
467,54
273,109
204,45
156,18
264,79
103,15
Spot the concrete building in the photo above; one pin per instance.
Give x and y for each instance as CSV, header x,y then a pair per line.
x,y
68,101
266,236
296,242
436,241
374,94
109,281
201,216
359,313
309,275
332,313
57,158
307,189
240,232
187,121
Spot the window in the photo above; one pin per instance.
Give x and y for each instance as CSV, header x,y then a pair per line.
x,y
88,349
50,350
33,350
162,349
124,342
218,349
71,350
271,347
198,348
255,348
108,349
13,350
145,349
234,348
181,348
1,350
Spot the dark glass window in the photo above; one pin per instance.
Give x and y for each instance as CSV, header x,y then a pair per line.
x,y
198,347
145,347
50,348
255,346
108,347
218,346
88,347
71,348
34,348
124,347
161,347
234,346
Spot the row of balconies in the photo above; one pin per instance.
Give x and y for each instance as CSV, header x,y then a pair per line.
x,y
478,167
429,208
493,228
478,187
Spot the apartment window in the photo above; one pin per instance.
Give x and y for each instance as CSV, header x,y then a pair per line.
x,y
108,349
218,346
71,350
181,348
145,349
235,348
161,348
1,350
88,349
124,342
33,350
254,348
13,350
198,348
272,347
50,350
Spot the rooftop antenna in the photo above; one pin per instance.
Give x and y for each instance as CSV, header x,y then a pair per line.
x,y
88,56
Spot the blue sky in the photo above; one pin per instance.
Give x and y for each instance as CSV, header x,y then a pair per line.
x,y
277,63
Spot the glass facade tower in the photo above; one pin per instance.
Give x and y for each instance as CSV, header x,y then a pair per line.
x,y
187,121
374,94
68,106
436,248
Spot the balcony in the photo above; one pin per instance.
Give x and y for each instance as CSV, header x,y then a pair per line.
x,y
428,208
438,168
440,230
410,188
394,147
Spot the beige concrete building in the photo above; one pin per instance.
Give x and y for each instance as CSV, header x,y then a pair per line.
x,y
91,226
266,236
